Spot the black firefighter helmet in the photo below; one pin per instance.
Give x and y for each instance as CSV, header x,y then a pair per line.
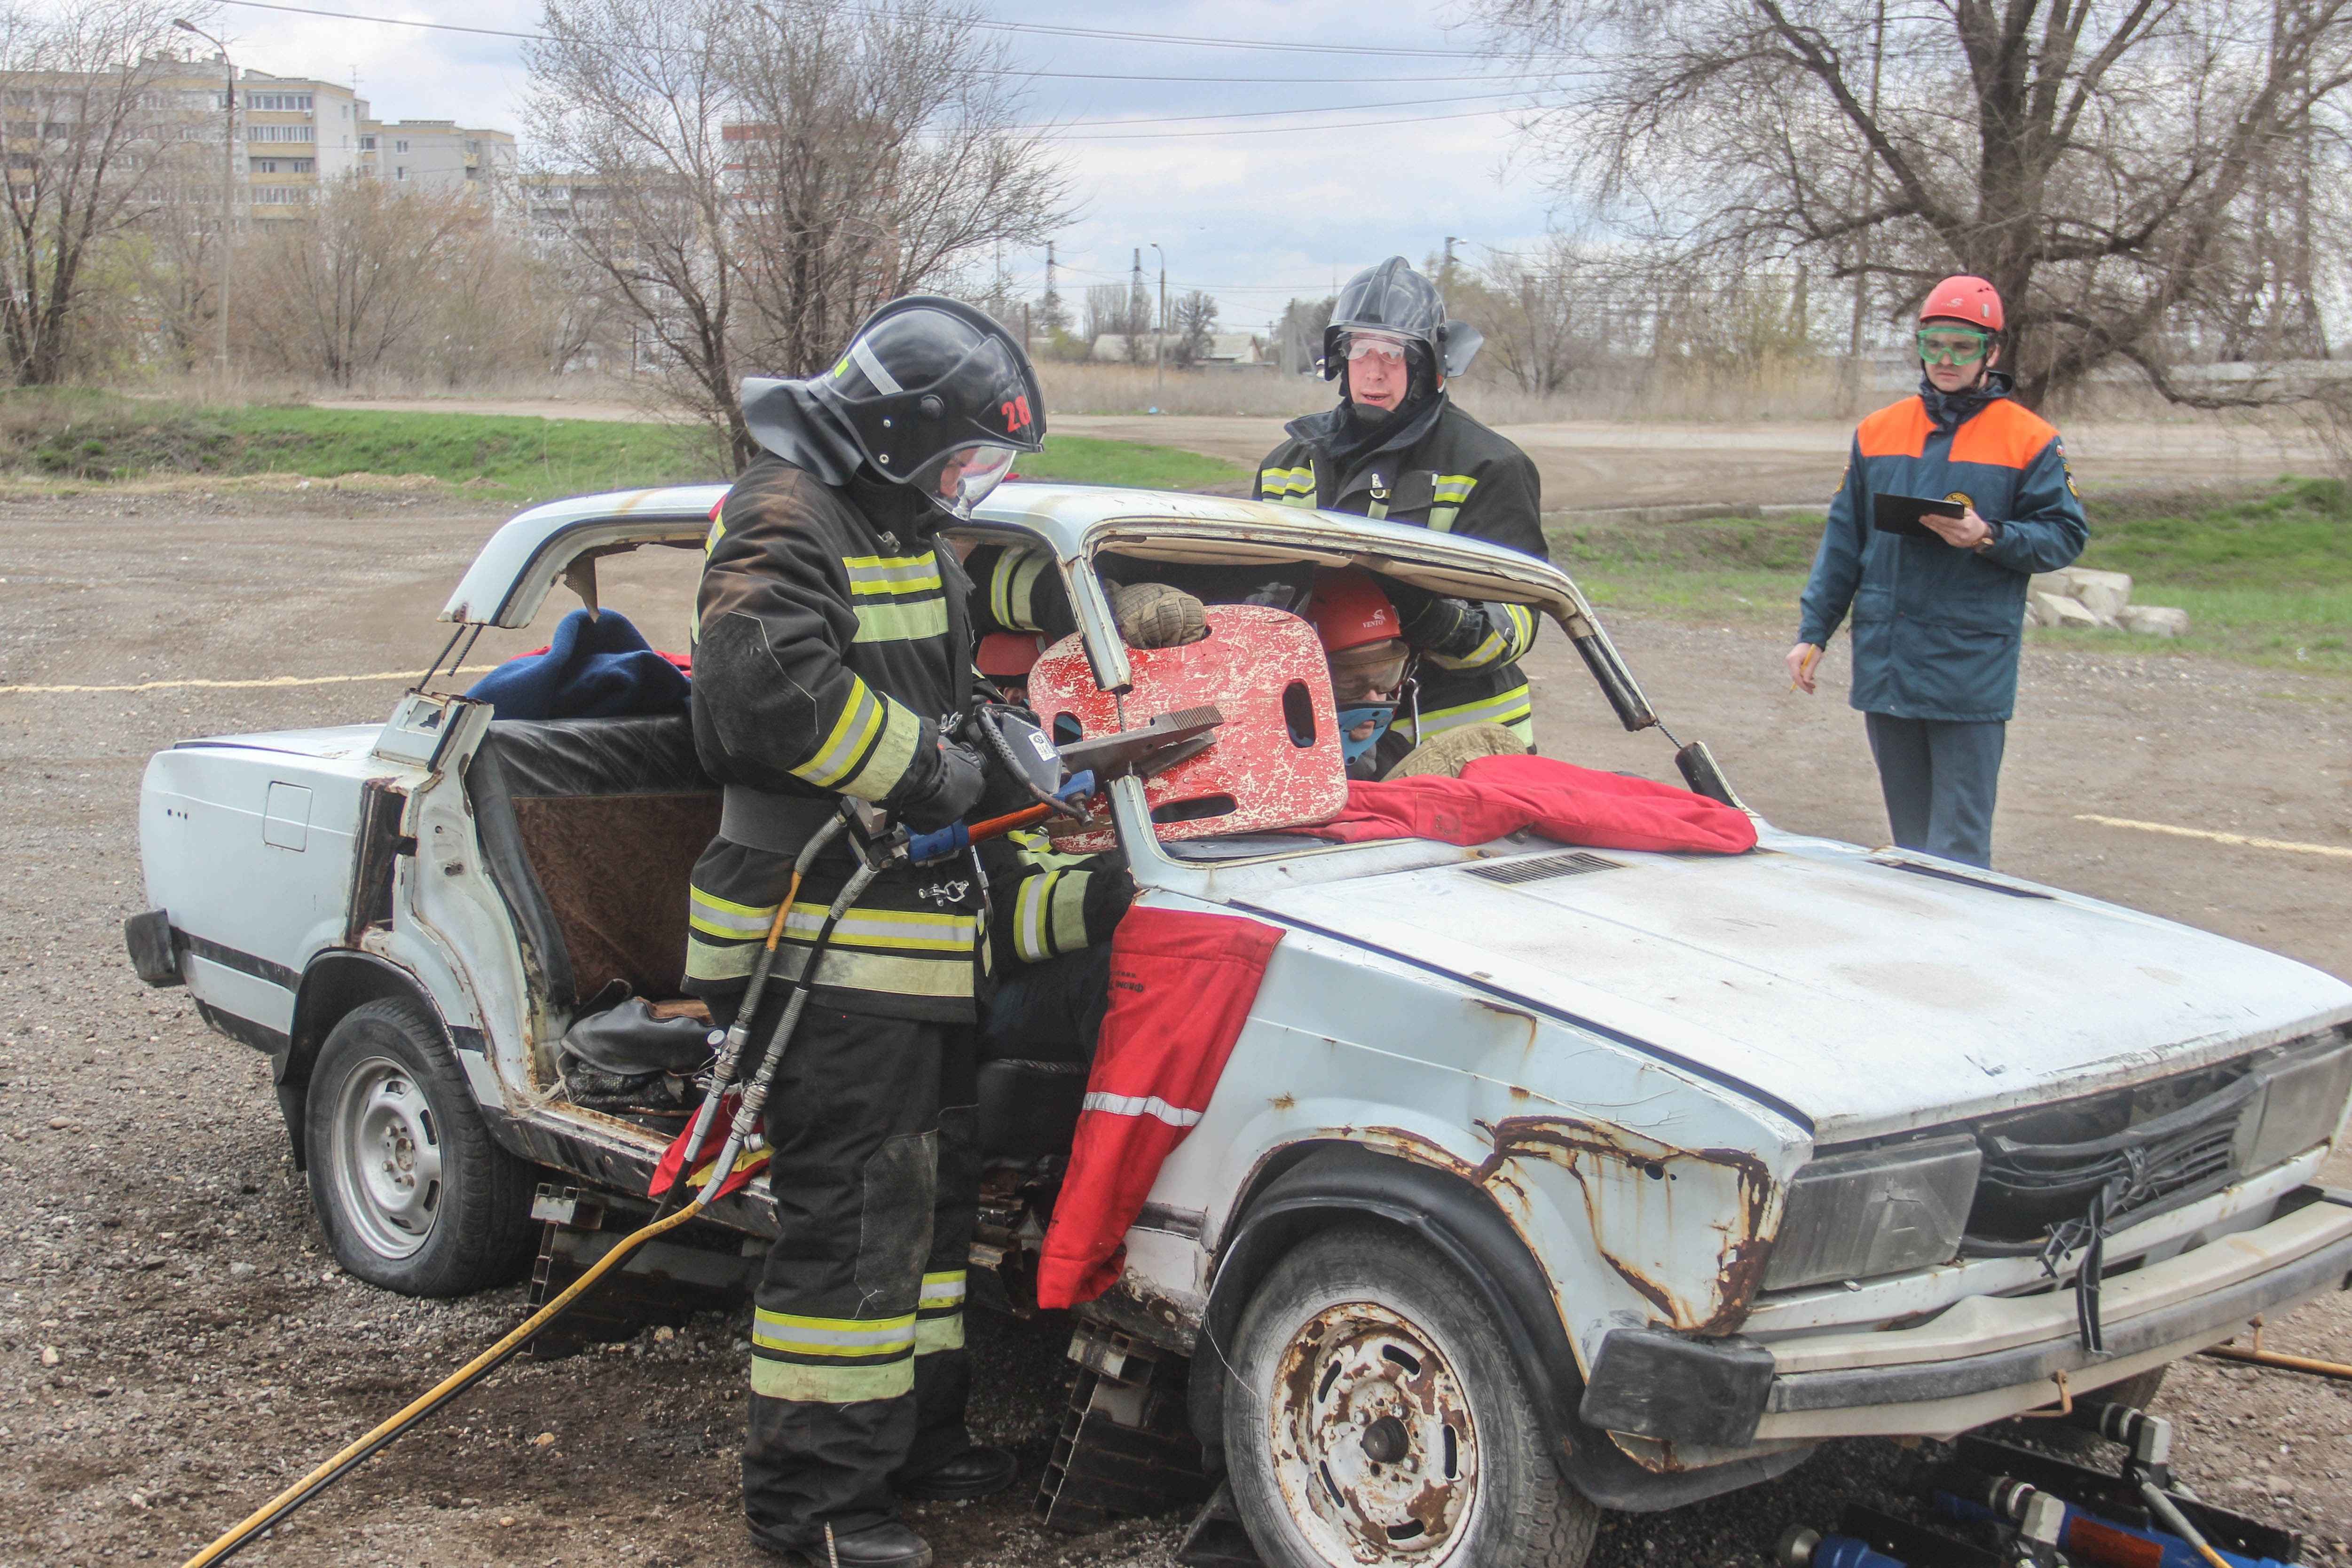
x,y
1395,301
939,396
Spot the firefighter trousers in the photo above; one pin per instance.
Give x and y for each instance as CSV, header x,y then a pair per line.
x,y
858,1368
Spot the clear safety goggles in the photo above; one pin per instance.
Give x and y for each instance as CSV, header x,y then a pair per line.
x,y
1389,351
1953,345
1374,671
961,478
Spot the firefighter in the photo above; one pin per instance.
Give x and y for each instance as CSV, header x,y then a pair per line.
x,y
1937,621
1397,447
833,657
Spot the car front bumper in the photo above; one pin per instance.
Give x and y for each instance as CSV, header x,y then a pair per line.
x,y
1983,1359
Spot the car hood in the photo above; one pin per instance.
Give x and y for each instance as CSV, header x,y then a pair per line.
x,y
340,742
1865,993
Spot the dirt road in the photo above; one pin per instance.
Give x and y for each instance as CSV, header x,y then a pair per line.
x,y
174,1345
1599,463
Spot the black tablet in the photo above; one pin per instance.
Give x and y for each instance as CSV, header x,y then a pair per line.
x,y
1901,514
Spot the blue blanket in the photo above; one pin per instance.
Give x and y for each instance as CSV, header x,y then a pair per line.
x,y
593,668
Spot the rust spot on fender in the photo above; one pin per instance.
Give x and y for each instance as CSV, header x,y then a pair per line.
x,y
1404,1141
1284,1102
1569,1142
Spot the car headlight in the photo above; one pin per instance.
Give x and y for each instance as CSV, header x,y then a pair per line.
x,y
1876,1210
2302,1103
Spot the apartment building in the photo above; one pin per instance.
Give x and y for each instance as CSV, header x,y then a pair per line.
x,y
436,154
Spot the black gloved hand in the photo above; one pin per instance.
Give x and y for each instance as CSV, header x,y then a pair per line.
x,y
944,782
1450,628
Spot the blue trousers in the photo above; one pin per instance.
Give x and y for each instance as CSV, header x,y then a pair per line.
x,y
1939,778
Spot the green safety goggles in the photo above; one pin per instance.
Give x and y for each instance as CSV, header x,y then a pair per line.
x,y
1953,345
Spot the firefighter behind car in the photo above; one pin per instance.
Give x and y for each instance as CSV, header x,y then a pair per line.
x,y
1397,447
832,659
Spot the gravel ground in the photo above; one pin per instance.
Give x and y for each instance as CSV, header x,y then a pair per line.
x,y
176,1345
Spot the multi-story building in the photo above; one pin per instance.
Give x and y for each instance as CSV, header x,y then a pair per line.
x,y
438,154
295,131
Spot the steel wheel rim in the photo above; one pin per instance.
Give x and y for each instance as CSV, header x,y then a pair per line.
x,y
1375,1451
387,1158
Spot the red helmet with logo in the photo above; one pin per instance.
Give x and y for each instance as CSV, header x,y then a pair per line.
x,y
1963,297
1349,610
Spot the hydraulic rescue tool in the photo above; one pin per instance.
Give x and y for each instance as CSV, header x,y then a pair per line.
x,y
1063,782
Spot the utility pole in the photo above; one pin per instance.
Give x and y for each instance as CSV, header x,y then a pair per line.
x,y
1050,307
228,176
1451,241
1160,338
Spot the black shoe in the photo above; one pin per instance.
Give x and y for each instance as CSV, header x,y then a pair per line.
x,y
887,1545
974,1473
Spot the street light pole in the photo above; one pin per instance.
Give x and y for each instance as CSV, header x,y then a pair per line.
x,y
1160,339
228,176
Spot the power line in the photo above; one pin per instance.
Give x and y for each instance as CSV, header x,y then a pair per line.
x,y
1264,113
1042,29
1272,130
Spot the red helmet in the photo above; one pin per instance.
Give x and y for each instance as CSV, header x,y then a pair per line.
x,y
1349,610
1007,655
1962,297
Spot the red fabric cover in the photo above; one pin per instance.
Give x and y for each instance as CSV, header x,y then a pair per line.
x,y
750,1161
1182,984
1496,795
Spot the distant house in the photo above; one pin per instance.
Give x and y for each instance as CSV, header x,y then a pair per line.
x,y
1227,350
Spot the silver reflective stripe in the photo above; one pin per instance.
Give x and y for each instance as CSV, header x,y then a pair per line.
x,y
1141,1105
883,381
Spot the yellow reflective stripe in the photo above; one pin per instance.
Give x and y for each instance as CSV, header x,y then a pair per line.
x,y
1514,710
933,1335
899,575
883,927
1070,911
809,1384
947,975
1031,931
1523,628
793,1334
710,540
890,622
1012,589
942,1291
1277,484
893,753
711,961
846,743
1454,489
723,918
1488,652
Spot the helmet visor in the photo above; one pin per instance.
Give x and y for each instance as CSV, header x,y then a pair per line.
x,y
960,478
1385,346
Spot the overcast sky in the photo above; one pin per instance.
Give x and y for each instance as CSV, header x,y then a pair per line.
x,y
1255,212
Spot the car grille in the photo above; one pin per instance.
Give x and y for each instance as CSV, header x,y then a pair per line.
x,y
2030,1182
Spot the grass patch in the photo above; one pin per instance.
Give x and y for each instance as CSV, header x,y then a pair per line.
x,y
63,434
2265,576
1092,460
72,435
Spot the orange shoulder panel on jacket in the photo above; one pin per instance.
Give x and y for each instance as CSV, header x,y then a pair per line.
x,y
1898,430
2004,435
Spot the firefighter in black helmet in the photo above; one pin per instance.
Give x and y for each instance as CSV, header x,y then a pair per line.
x,y
833,657
1397,447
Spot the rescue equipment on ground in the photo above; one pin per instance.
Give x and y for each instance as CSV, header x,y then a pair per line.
x,y
1996,1504
1498,795
1182,983
1277,763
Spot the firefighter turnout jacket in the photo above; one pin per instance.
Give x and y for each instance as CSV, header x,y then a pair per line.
x,y
1456,477
831,646
1937,628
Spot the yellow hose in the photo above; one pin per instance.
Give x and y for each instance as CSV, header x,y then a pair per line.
x,y
260,1518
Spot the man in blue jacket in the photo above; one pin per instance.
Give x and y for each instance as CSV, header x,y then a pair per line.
x,y
1937,620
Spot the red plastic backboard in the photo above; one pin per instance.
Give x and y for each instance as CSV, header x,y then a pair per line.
x,y
1277,760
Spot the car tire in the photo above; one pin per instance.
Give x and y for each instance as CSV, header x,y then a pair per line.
x,y
412,1192
1374,1415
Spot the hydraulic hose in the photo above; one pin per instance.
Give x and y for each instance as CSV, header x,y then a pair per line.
x,y
746,1121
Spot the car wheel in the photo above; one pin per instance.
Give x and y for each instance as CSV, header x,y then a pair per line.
x,y
410,1189
1374,1416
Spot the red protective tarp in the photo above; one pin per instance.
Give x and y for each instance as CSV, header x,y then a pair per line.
x,y
1182,984
1499,795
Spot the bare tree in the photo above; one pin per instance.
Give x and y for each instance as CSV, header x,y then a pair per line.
x,y
752,181
85,123
2102,166
1193,327
1112,310
339,290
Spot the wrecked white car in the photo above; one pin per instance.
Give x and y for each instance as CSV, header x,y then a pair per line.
x,y
1540,1181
